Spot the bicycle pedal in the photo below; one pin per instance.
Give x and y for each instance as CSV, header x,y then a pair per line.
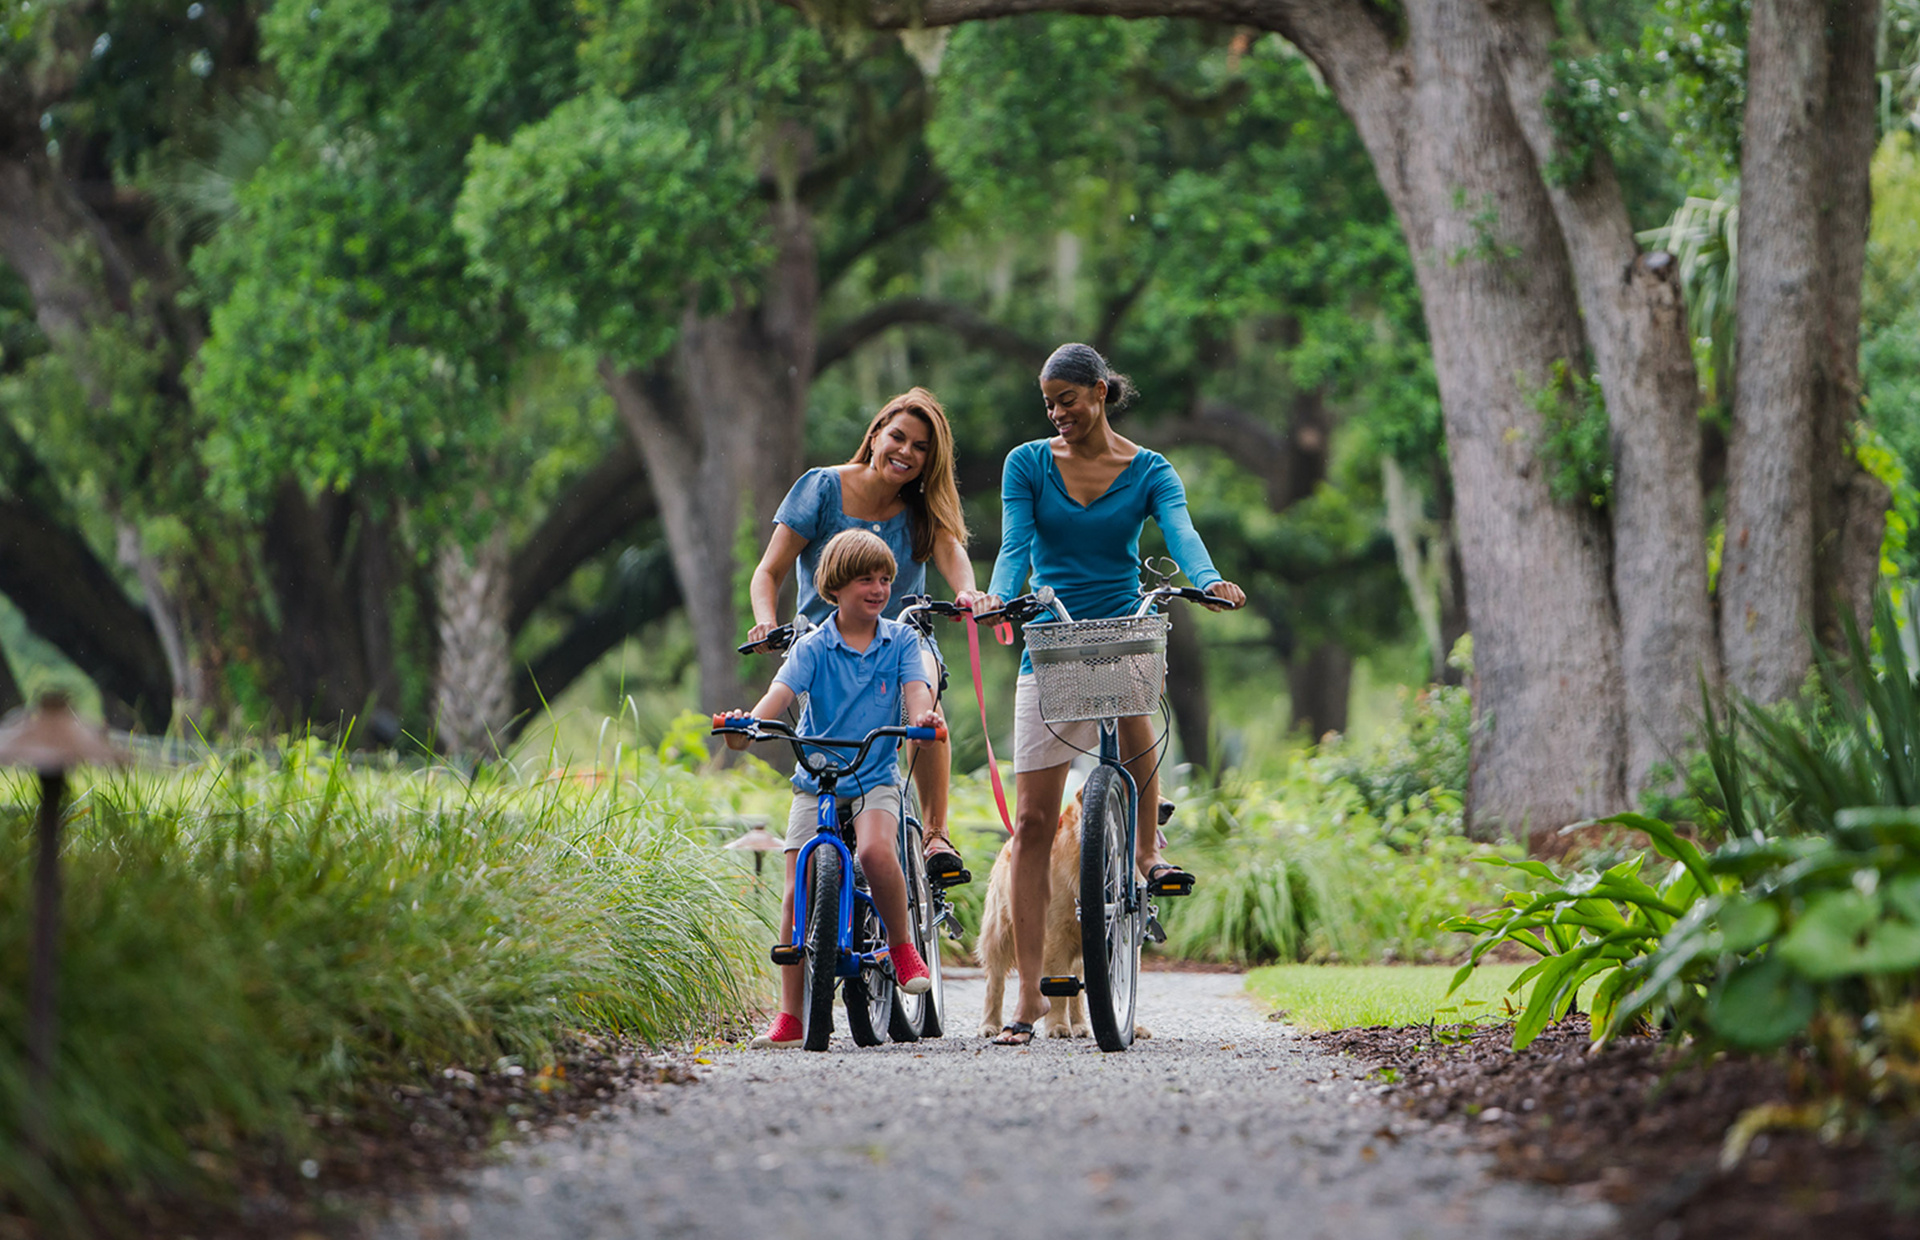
x,y
952,878
787,953
1171,887
1154,931
1060,987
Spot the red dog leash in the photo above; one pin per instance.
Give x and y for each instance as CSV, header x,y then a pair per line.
x,y
1003,632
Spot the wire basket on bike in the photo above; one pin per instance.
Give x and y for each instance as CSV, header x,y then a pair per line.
x,y
1098,669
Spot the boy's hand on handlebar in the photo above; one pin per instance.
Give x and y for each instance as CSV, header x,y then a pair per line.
x,y
1228,593
735,740
930,719
976,601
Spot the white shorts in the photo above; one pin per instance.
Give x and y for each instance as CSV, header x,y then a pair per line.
x,y
1038,744
803,820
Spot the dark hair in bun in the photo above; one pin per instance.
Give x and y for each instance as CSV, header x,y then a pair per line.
x,y
1082,364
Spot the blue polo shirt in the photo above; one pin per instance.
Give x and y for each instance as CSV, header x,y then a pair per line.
x,y
851,692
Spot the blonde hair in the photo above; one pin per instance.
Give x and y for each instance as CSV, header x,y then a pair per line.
x,y
847,555
932,497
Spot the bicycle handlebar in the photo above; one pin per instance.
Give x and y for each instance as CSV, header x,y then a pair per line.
x,y
777,729
779,639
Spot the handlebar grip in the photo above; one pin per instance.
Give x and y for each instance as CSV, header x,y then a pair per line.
x,y
940,731
925,734
719,721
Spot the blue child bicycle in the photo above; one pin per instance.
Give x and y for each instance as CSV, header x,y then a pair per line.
x,y
837,936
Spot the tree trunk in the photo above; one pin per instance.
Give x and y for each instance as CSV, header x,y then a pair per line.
x,y
322,657
70,598
1501,311
1319,682
1187,690
473,689
1793,491
1849,504
1637,327
719,426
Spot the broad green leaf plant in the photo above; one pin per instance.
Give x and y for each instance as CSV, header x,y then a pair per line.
x,y
1809,914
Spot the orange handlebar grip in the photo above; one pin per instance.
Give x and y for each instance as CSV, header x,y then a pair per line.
x,y
719,721
940,731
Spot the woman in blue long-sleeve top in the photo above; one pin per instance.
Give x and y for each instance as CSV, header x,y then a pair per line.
x,y
1072,510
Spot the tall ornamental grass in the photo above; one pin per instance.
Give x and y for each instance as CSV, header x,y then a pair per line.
x,y
245,945
1301,869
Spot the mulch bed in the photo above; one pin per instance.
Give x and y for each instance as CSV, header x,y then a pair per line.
x,y
406,1138
1640,1124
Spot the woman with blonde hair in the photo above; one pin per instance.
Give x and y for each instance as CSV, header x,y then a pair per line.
x,y
900,486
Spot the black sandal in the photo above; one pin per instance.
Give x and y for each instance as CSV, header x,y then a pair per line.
x,y
945,868
1167,879
1019,1033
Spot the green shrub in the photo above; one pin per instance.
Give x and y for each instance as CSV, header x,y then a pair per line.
x,y
1808,914
1303,869
242,946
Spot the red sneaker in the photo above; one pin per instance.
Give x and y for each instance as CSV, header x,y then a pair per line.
x,y
911,971
785,1031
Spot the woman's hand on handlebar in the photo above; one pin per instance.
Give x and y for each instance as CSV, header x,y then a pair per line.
x,y
758,633
977,601
1230,594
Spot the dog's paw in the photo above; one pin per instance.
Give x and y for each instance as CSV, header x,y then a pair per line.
x,y
1059,1031
1083,1031
989,1029
1141,1031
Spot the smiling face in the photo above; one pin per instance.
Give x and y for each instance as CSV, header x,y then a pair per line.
x,y
898,449
1075,409
863,599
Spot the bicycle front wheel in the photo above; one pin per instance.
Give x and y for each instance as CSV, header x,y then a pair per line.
x,y
1111,925
822,948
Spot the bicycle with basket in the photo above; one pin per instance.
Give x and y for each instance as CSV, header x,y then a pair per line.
x,y
1103,671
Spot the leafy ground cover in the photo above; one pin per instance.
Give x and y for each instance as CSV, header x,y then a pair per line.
x,y
1323,997
1655,1130
256,953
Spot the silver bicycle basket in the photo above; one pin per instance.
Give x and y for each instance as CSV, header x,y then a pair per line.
x,y
1098,669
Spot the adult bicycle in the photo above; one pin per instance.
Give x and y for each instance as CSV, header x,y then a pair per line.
x,y
1104,670
837,936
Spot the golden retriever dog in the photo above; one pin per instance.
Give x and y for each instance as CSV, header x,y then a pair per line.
x,y
1061,955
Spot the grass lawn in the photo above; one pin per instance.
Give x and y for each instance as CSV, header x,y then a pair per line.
x,y
1331,996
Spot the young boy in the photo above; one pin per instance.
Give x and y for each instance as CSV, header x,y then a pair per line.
x,y
855,670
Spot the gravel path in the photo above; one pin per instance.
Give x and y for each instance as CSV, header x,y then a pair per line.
x,y
1222,1124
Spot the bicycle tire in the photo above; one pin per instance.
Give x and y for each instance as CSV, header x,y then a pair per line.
x,y
1109,934
918,1016
823,949
869,994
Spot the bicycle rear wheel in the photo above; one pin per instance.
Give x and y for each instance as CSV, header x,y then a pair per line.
x,y
923,1015
1109,934
869,993
822,948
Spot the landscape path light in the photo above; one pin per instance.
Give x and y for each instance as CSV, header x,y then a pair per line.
x,y
759,841
52,740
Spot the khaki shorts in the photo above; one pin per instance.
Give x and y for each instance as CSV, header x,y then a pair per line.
x,y
1038,744
803,820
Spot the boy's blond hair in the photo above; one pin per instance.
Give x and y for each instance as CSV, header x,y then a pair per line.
x,y
847,555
